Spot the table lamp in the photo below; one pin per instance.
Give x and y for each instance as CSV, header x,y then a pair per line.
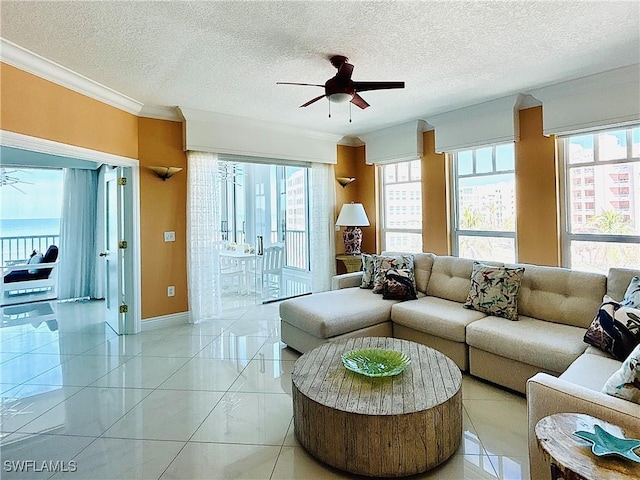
x,y
352,216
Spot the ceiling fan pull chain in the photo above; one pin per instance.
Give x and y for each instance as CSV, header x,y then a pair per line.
x,y
349,112
329,108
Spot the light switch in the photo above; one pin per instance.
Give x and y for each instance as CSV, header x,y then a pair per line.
x,y
169,236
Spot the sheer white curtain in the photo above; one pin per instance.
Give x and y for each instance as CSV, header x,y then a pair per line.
x,y
203,236
77,258
322,203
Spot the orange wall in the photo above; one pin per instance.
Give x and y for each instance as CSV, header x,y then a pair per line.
x,y
36,107
435,198
163,206
39,108
351,163
537,218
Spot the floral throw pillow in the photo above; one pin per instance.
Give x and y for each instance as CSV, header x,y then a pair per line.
x,y
494,290
368,270
382,263
632,295
625,383
399,285
616,329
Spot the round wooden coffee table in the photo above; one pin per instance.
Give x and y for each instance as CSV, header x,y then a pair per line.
x,y
380,427
571,457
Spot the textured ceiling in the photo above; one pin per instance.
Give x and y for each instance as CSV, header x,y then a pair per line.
x,y
226,57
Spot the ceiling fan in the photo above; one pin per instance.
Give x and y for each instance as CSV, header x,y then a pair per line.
x,y
341,88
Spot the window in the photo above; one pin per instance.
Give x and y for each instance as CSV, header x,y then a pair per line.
x,y
608,161
484,208
402,212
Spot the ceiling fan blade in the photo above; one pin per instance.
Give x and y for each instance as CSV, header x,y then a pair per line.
x,y
312,101
362,86
345,71
358,101
306,84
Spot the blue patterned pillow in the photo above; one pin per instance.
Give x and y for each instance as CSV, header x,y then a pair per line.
x,y
399,285
368,270
494,290
625,383
616,329
632,295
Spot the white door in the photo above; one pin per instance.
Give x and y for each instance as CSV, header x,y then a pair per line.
x,y
118,229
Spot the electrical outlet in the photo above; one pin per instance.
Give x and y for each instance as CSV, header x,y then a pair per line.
x,y
171,291
169,236
337,227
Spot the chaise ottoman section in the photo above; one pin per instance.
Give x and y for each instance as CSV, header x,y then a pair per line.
x,y
525,344
437,323
308,321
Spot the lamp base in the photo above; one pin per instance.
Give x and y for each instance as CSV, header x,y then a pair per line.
x,y
352,237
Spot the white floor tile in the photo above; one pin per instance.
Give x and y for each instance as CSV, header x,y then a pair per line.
x,y
166,415
123,459
205,374
249,418
208,461
233,347
47,452
90,412
262,375
25,367
141,372
79,371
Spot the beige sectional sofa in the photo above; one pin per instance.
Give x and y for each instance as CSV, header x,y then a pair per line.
x,y
555,307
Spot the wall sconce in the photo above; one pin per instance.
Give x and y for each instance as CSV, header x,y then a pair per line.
x,y
344,181
165,172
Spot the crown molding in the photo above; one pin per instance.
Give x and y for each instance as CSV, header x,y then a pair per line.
x,y
31,62
161,113
42,145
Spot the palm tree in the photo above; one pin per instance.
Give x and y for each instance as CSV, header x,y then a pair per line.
x,y
610,222
471,219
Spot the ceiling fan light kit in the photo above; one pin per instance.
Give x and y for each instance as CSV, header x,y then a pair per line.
x,y
341,89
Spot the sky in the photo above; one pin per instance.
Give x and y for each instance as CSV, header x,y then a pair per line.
x,y
42,197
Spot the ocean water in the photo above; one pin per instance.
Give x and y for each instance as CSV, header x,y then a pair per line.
x,y
29,227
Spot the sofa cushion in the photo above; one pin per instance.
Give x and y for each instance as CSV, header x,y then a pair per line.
x,y
386,262
399,285
435,316
616,329
547,345
618,280
422,265
368,270
560,295
494,290
591,371
625,382
450,278
328,314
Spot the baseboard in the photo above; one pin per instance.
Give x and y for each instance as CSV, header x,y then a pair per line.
x,y
165,321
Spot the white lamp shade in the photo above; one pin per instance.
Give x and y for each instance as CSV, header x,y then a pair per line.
x,y
352,215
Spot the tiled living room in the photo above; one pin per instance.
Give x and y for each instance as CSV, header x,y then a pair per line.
x,y
424,263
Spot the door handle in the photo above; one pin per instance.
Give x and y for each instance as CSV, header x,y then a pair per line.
x,y
103,254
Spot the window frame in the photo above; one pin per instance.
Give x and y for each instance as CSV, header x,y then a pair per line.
x,y
384,229
456,232
565,167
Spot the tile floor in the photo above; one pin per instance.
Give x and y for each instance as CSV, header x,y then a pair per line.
x,y
210,401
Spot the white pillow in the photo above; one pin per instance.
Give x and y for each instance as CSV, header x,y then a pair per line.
x,y
625,383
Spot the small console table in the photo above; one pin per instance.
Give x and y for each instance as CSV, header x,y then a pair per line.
x,y
571,457
353,263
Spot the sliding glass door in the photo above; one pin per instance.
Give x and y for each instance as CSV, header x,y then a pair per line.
x,y
266,211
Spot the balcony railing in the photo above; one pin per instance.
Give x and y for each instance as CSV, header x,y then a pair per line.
x,y
296,248
20,248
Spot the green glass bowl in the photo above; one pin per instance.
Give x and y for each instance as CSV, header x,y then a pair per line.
x,y
375,362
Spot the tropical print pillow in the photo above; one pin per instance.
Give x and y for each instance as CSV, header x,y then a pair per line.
x,y
368,270
494,290
382,263
625,383
616,329
399,285
632,295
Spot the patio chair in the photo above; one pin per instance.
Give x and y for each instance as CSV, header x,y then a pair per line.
x,y
32,281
